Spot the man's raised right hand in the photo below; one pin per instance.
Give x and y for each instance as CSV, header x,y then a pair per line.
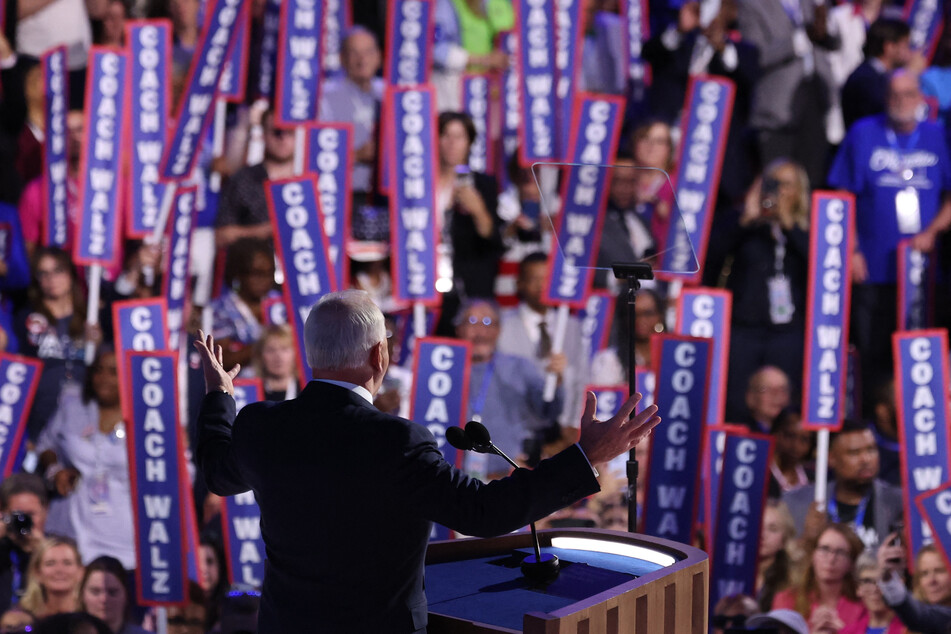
x,y
602,441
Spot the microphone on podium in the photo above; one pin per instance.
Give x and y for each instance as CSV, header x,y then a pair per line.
x,y
538,567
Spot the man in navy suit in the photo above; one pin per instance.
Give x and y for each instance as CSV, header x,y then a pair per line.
x,y
348,494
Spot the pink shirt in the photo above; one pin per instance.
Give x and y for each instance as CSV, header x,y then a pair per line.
x,y
851,612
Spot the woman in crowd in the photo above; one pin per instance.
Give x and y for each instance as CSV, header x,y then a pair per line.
x,y
775,561
54,575
770,251
931,582
609,366
793,447
16,620
275,362
214,578
825,596
239,311
879,618
653,147
84,457
52,327
103,593
467,218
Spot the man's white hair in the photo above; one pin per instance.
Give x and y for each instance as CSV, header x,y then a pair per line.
x,y
341,329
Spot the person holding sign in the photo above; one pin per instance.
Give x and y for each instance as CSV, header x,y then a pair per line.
x,y
900,172
341,575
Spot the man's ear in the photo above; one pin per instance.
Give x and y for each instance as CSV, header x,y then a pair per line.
x,y
376,355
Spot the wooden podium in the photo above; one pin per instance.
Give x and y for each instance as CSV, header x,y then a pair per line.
x,y
611,582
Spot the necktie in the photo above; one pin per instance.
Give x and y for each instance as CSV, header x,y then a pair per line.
x,y
544,340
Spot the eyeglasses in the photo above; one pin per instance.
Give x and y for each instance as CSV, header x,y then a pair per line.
x,y
279,132
870,581
42,274
485,321
833,553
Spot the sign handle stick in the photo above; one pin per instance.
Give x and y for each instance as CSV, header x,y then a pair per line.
x,y
300,137
92,308
168,198
557,344
218,142
822,465
161,620
419,320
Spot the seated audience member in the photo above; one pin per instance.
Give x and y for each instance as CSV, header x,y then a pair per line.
x,y
825,596
214,577
775,571
355,98
730,613
878,619
275,363
83,454
791,452
24,504
52,327
53,582
239,311
768,278
527,331
767,394
778,622
855,494
505,391
885,428
931,582
467,218
242,206
189,618
396,392
526,218
916,614
370,272
610,366
104,594
16,620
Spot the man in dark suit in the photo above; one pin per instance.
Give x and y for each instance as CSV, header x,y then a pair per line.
x,y
886,48
348,494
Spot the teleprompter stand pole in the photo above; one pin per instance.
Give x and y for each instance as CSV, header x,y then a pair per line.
x,y
633,273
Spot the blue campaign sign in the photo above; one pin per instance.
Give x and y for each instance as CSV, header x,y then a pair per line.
x,y
156,476
275,311
234,77
302,250
584,195
610,398
569,42
916,287
269,44
708,107
827,310
150,48
139,324
240,515
338,18
935,508
476,103
706,312
673,483
298,62
409,43
535,28
713,446
746,460
925,17
176,283
413,197
511,114
330,156
645,382
19,378
102,157
636,32
55,104
921,398
595,318
195,110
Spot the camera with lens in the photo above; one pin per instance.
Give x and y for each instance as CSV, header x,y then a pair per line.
x,y
19,524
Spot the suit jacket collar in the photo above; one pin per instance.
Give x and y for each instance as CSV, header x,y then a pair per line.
x,y
329,394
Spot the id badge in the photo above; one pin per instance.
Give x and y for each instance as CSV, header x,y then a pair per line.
x,y
907,211
99,494
781,307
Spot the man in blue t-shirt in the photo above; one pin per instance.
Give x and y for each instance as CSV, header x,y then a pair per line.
x,y
898,169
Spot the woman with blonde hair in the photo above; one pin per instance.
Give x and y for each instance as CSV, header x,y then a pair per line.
x,y
53,578
767,272
775,560
826,595
931,582
275,362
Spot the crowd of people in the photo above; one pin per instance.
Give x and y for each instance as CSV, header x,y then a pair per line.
x,y
829,95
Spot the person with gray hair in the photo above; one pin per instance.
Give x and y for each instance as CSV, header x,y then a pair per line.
x,y
878,616
327,467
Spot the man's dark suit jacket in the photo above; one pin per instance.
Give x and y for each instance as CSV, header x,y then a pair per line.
x,y
348,495
864,93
